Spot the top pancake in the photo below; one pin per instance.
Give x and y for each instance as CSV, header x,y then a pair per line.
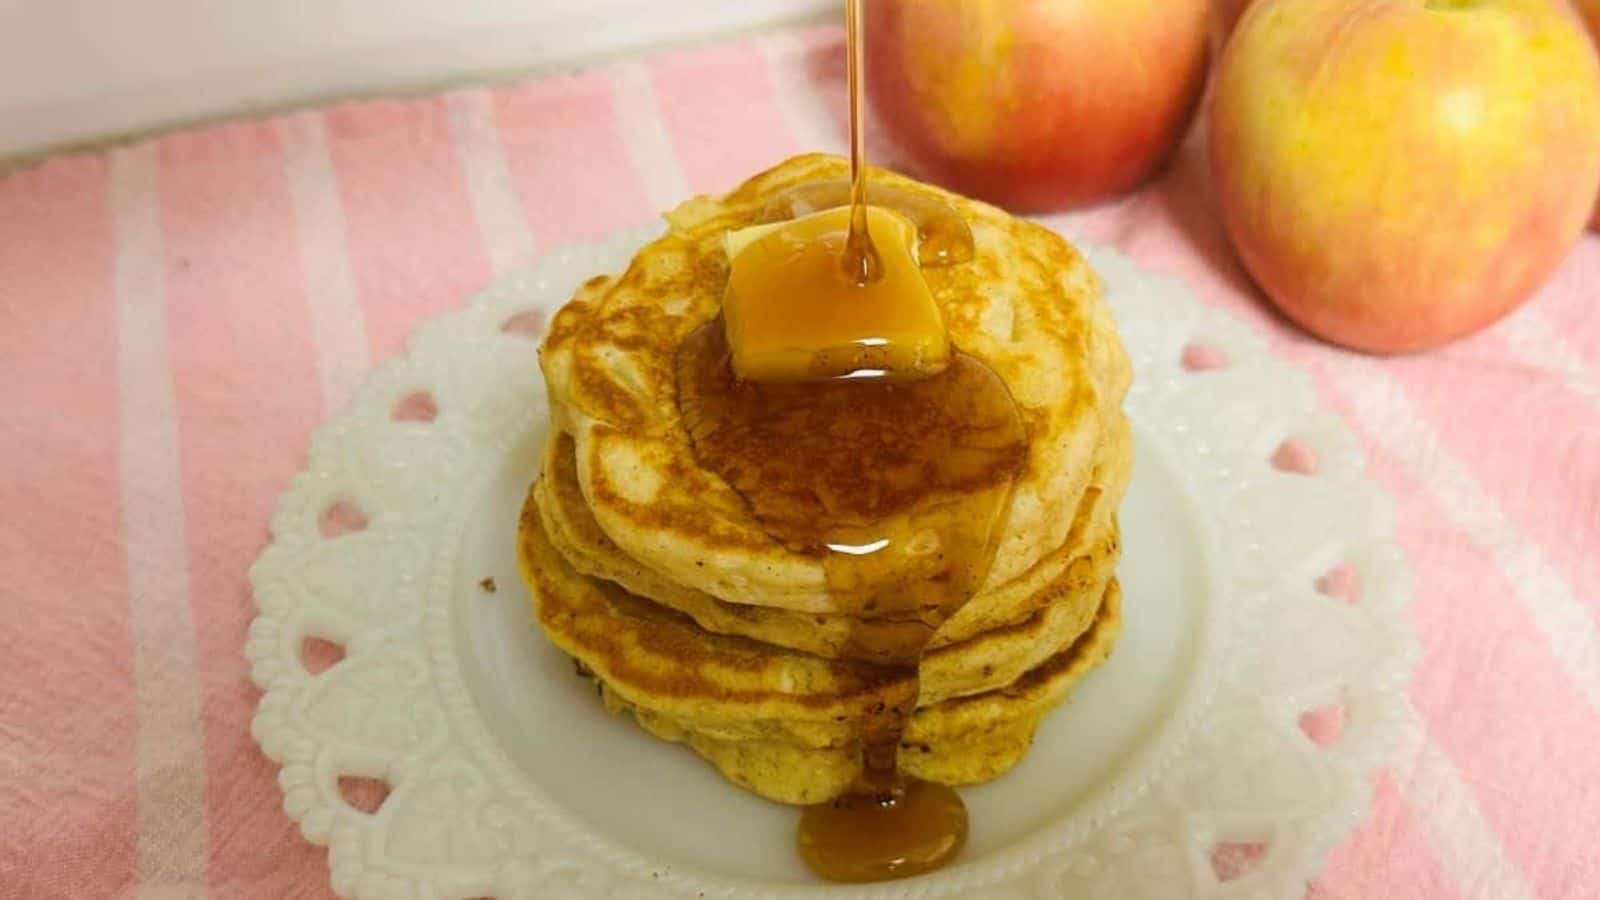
x,y
1027,305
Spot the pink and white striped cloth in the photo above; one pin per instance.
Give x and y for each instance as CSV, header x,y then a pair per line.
x,y
176,316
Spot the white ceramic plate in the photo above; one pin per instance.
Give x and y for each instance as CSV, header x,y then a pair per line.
x,y
1187,766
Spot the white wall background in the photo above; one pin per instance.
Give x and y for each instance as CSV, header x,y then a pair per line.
x,y
73,70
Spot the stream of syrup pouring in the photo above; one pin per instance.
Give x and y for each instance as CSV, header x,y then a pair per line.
x,y
891,460
861,261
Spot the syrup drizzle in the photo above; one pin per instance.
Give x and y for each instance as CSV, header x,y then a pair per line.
x,y
900,490
861,262
898,482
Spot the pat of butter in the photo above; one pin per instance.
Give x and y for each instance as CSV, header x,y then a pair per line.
x,y
793,314
734,242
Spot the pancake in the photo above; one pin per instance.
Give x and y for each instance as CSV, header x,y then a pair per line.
x,y
1084,559
1027,306
663,661
656,577
968,740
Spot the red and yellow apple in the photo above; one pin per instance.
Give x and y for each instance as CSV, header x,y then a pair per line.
x,y
1036,104
1396,174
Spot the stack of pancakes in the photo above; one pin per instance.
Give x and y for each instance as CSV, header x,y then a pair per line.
x,y
651,572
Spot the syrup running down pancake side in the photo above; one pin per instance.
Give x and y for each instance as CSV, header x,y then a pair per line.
x,y
827,395
900,488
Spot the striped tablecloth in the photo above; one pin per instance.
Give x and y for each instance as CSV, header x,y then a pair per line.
x,y
176,316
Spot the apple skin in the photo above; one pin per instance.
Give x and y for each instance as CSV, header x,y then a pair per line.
x,y
1590,11
1036,104
1228,13
1396,174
